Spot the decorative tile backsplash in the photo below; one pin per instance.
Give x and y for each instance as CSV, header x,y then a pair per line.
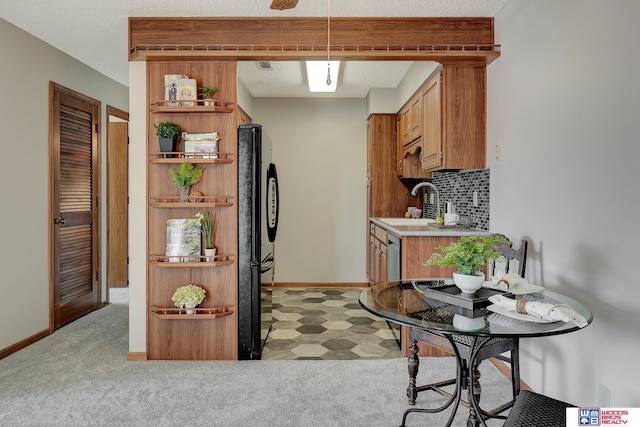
x,y
458,187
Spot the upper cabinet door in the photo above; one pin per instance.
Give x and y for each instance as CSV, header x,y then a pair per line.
x,y
431,96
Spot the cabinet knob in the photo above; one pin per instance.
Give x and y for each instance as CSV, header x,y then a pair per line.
x,y
59,221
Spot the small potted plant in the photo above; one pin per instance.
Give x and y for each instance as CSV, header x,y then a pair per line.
x,y
167,133
184,177
208,222
469,255
188,296
207,94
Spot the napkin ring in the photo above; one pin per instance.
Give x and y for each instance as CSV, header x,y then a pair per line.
x,y
521,305
506,282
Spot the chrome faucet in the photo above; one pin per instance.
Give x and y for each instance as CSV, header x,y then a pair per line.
x,y
414,192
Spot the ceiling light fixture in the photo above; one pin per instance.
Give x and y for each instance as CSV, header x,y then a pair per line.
x,y
317,75
317,79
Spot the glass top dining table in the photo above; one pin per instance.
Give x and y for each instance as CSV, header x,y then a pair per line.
x,y
435,306
405,303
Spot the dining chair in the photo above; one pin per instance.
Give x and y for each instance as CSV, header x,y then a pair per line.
x,y
514,261
537,410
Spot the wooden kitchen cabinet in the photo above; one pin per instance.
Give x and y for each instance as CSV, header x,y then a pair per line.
x,y
415,251
377,258
243,117
411,120
453,103
386,194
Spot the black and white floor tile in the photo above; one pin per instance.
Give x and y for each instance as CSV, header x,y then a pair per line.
x,y
329,324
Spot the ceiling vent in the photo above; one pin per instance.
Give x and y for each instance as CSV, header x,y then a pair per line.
x,y
264,66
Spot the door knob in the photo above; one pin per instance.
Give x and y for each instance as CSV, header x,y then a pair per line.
x,y
58,221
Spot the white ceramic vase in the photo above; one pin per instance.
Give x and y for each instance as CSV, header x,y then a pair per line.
x,y
190,308
467,283
210,254
464,323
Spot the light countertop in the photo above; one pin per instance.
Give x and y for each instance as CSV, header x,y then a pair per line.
x,y
426,230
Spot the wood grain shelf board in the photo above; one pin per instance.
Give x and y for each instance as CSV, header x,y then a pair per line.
x,y
207,201
201,313
218,107
219,261
181,156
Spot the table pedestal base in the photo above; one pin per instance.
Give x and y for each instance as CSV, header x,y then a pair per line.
x,y
467,378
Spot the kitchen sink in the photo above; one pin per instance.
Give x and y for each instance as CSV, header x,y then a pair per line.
x,y
407,221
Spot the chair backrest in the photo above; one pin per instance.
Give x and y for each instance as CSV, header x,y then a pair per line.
x,y
510,254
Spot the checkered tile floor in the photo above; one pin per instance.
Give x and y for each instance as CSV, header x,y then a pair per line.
x,y
327,323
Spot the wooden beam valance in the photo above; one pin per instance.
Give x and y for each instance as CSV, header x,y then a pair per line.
x,y
440,39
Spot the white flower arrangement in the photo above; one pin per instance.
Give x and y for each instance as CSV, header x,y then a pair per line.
x,y
188,295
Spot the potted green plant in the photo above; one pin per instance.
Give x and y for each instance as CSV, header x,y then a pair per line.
x,y
189,296
469,255
207,94
208,222
184,177
167,133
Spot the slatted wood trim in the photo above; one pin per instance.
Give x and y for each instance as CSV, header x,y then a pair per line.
x,y
76,190
439,39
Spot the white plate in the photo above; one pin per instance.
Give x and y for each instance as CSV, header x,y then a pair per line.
x,y
515,315
519,289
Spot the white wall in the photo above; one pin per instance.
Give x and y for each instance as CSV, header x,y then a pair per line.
x,y
138,207
320,150
390,100
28,64
563,105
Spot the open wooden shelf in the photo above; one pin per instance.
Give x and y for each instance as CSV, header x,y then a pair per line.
x,y
194,157
207,202
185,261
201,313
216,191
199,107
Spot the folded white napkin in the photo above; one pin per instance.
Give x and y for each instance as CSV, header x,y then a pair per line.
x,y
551,312
505,281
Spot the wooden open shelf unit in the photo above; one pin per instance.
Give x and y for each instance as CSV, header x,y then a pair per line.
x,y
215,336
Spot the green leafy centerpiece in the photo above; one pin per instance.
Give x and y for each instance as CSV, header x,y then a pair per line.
x,y
189,296
469,255
184,177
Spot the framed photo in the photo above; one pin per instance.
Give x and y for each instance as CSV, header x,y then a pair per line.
x,y
187,90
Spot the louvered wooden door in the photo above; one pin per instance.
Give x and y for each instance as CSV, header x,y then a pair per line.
x,y
74,197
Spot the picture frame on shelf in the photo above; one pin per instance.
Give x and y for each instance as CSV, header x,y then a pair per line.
x,y
200,145
187,90
183,243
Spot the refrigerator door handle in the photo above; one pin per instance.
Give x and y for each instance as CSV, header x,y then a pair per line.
x,y
273,202
267,263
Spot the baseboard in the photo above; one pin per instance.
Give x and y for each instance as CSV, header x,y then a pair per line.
x,y
137,356
502,367
24,343
320,285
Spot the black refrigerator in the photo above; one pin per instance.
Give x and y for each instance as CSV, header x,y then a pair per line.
x,y
258,210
